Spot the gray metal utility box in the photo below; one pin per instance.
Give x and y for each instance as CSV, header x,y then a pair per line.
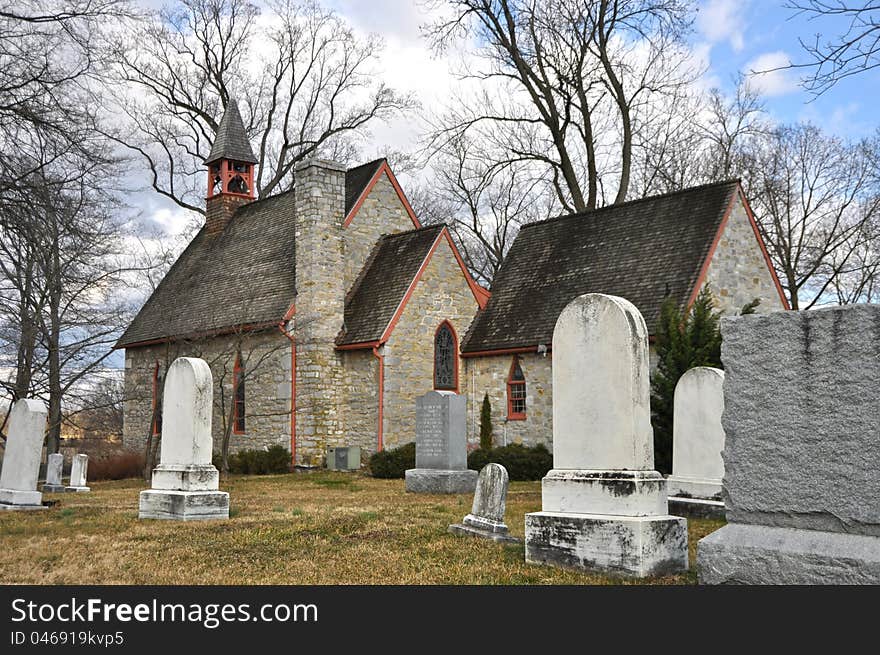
x,y
344,459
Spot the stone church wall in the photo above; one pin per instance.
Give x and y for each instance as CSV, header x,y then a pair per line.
x,y
442,294
266,357
382,212
361,400
738,272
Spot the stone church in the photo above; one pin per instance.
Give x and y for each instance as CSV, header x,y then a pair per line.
x,y
325,311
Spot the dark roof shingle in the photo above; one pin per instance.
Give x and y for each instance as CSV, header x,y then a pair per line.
x,y
640,250
357,179
381,286
231,140
242,276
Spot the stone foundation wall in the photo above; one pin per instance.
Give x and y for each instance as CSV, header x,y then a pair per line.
x,y
382,212
738,272
442,294
489,375
266,358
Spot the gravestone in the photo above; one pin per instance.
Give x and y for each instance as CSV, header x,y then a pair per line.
x,y
603,504
78,470
54,468
441,446
21,461
802,450
185,484
694,487
486,519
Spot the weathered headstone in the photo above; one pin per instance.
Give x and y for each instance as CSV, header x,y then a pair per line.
x,y
78,470
441,446
54,469
487,512
802,450
185,483
21,461
694,487
603,504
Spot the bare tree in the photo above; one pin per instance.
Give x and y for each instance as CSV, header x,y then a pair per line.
x,y
304,80
854,51
484,205
814,196
573,78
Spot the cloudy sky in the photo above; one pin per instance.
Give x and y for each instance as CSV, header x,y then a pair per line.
x,y
728,37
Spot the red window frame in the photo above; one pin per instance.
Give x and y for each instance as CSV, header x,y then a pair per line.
x,y
454,358
156,419
239,411
513,385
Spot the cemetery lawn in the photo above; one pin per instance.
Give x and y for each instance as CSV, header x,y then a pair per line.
x,y
318,528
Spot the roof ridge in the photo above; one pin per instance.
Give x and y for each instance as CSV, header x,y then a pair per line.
x,y
658,196
365,164
424,228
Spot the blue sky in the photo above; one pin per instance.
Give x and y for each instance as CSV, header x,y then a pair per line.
x,y
745,35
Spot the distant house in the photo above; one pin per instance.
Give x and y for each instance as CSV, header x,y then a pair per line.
x,y
645,251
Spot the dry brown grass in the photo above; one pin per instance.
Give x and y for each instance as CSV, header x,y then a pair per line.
x,y
323,528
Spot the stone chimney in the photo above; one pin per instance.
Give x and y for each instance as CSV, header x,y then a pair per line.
x,y
320,305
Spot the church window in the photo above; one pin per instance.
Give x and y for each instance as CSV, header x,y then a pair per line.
x,y
157,400
445,358
516,392
238,409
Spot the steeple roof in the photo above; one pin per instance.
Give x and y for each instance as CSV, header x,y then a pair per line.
x,y
231,141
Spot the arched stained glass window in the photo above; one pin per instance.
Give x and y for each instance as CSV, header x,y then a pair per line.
x,y
445,358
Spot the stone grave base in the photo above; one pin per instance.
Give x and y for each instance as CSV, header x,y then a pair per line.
x,y
582,491
183,505
698,508
15,500
463,530
637,546
757,554
476,526
693,488
175,477
431,481
77,489
53,488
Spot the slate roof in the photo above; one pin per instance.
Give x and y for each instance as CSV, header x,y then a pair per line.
x,y
640,250
231,141
356,180
242,276
382,284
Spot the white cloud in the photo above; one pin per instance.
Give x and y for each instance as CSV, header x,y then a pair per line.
x,y
767,74
723,20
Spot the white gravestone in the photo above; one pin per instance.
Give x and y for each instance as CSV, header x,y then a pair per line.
x,y
54,469
441,446
21,461
487,512
185,484
78,471
603,504
697,442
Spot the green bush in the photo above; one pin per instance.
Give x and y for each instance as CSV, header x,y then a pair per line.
x,y
521,462
486,423
258,462
393,462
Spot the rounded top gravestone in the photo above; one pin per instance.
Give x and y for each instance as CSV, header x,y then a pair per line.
x,y
186,413
601,389
698,437
24,445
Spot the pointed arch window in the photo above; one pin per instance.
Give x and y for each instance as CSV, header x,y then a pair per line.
x,y
516,392
445,358
238,396
157,400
